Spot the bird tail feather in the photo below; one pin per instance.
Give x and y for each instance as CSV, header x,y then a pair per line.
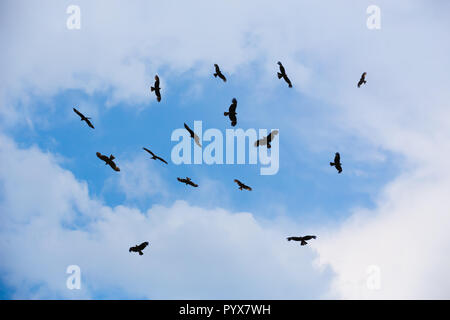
x,y
226,113
215,75
331,163
279,75
152,89
141,253
303,243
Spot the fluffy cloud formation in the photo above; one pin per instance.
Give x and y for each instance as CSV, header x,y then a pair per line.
x,y
405,238
140,178
120,47
193,252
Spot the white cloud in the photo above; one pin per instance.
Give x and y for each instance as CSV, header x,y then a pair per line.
x,y
406,237
139,178
193,252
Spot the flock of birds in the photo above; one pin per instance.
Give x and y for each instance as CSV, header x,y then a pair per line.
x,y
231,114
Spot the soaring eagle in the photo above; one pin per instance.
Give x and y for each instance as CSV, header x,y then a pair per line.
x,y
219,73
362,80
108,160
139,248
242,186
337,162
232,112
83,118
282,74
154,156
266,140
193,135
188,181
156,88
302,239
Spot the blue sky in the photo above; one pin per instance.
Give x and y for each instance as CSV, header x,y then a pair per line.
x,y
69,208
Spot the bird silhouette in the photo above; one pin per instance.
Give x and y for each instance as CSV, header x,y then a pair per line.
x,y
282,74
188,181
242,186
156,88
219,73
362,80
154,156
139,248
108,160
193,135
83,118
266,140
337,162
301,239
232,112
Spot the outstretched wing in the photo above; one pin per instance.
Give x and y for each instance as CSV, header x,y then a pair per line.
x,y
189,129
233,119
113,165
337,158
288,81
282,70
161,159
143,245
78,113
261,142
156,81
89,123
238,182
272,135
197,140
221,76
148,151
233,106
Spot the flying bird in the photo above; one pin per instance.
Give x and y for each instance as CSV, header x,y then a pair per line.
x,y
219,73
188,181
362,80
108,160
302,239
83,118
266,140
154,156
337,162
139,248
232,112
282,74
242,186
156,88
193,135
